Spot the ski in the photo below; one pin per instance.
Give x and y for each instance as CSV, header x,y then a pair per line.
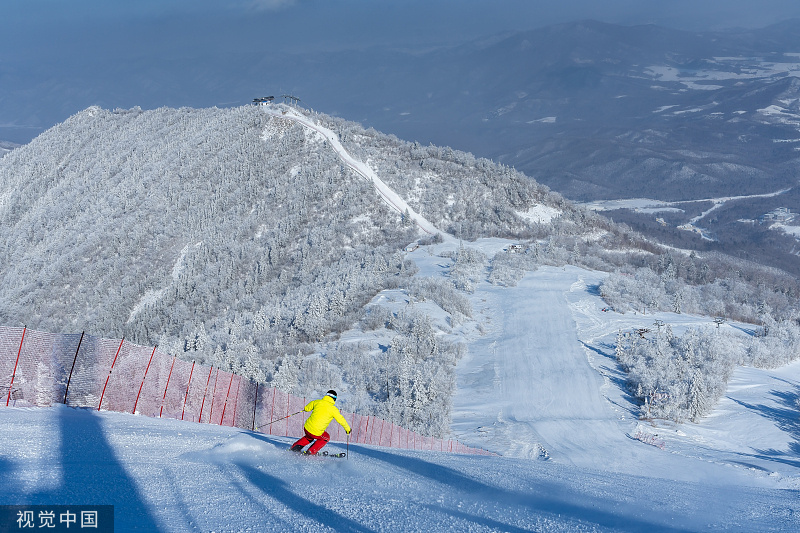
x,y
340,455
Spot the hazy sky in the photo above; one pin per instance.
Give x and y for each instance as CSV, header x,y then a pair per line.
x,y
59,56
323,23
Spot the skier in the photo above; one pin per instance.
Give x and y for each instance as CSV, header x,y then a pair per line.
x,y
322,412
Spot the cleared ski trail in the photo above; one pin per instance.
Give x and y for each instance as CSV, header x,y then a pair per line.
x,y
558,391
541,387
542,381
392,199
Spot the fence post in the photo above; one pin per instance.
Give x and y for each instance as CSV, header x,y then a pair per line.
x,y
164,399
14,374
185,396
199,418
236,401
73,367
288,397
225,405
255,404
109,374
272,413
366,430
213,394
143,378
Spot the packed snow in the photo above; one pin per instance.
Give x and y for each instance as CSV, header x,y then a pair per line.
x,y
541,214
539,387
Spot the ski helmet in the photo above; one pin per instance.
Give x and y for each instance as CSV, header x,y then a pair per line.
x,y
332,394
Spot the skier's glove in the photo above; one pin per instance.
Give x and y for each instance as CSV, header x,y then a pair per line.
x,y
348,431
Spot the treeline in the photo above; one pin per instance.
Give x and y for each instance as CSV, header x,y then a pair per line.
x,y
683,377
713,285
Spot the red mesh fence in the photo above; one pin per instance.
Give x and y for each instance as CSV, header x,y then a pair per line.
x,y
40,369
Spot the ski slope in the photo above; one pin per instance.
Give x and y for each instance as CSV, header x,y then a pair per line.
x,y
392,199
542,382
538,386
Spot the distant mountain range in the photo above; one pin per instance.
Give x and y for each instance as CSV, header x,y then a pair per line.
x,y
6,147
597,110
593,110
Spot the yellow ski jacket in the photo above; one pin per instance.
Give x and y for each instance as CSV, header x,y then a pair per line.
x,y
322,412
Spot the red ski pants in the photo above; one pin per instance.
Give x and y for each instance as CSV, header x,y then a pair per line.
x,y
318,440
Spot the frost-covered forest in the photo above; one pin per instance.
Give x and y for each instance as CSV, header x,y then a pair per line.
x,y
682,377
240,239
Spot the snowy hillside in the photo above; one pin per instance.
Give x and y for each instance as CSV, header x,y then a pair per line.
x,y
176,477
229,212
252,238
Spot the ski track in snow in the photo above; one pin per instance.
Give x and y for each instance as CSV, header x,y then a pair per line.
x,y
388,195
173,476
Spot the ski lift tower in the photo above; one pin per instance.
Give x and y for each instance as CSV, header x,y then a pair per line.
x,y
292,100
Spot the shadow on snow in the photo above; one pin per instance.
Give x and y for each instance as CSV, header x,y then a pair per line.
x,y
541,501
92,474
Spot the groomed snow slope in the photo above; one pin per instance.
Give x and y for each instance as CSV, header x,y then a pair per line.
x,y
541,381
165,475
